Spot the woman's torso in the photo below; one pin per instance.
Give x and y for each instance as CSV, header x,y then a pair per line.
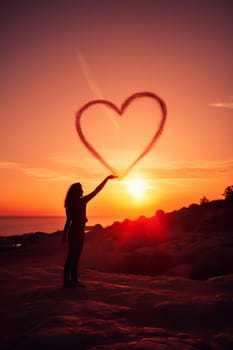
x,y
77,213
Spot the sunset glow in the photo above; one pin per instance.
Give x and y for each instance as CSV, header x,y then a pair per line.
x,y
137,188
57,56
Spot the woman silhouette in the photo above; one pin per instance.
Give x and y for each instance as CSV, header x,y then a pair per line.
x,y
74,228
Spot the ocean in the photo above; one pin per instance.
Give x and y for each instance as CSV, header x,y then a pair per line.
x,y
17,225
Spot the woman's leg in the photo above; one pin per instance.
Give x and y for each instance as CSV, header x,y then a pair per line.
x,y
66,273
68,263
76,253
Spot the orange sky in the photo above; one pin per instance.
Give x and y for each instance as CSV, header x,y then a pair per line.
x,y
58,55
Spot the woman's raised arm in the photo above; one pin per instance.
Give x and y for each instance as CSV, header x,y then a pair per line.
x,y
89,196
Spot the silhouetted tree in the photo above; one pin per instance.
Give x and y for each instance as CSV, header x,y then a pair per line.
x,y
228,193
204,200
160,214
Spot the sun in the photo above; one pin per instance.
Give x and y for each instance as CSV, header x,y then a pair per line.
x,y
137,188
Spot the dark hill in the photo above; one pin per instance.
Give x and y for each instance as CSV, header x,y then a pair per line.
x,y
194,242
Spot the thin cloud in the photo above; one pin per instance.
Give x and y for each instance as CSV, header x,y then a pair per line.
x,y
41,173
69,172
192,171
10,165
94,86
223,104
88,76
71,161
46,174
172,171
89,171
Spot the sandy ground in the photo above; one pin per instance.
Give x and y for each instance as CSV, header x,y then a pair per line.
x,y
114,311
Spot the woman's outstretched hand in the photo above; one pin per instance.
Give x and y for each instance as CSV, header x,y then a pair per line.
x,y
110,177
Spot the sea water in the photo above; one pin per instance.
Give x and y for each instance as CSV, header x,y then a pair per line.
x,y
17,225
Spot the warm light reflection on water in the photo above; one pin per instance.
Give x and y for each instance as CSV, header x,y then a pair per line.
x,y
17,225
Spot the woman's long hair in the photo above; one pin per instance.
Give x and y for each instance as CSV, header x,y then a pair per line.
x,y
74,192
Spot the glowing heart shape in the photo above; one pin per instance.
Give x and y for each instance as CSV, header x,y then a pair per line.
x,y
120,111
